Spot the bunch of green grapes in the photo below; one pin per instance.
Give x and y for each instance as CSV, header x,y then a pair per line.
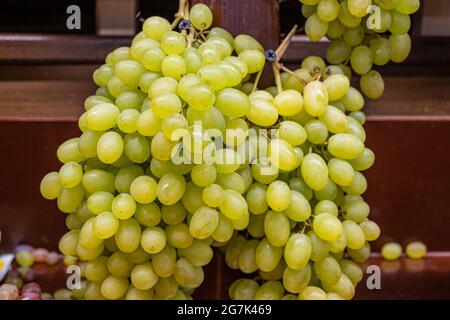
x,y
363,33
304,218
142,224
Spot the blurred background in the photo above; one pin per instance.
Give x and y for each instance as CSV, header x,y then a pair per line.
x,y
45,75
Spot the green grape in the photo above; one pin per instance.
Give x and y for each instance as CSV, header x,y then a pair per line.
x,y
328,10
147,80
400,47
87,144
334,120
67,245
358,116
136,294
102,75
105,225
166,288
315,98
340,171
201,16
244,42
173,66
143,277
136,147
186,83
288,102
233,251
267,255
391,251
416,250
232,102
313,64
204,222
255,226
129,72
335,30
192,198
199,253
358,185
277,228
344,287
185,272
357,211
96,270
110,147
327,227
173,214
171,188
68,151
153,58
87,237
327,193
223,45
192,59
114,288
246,289
153,239
155,27
352,270
359,8
50,186
295,281
315,28
117,86
270,290
247,257
312,293
214,76
125,177
401,23
372,85
128,235
201,97
241,223
94,100
345,146
407,6
98,180
328,270
224,230
360,255
213,195
386,4
118,265
282,155
143,189
371,230
353,37
381,50
138,256
338,52
119,54
70,199
297,251
355,235
319,247
361,59
179,236
326,206
162,86
299,208
123,206
148,124
299,185
164,262
231,181
314,171
278,196
165,105
346,17
291,132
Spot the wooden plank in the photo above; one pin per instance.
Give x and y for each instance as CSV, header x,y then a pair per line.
x,y
15,48
436,18
116,17
47,72
58,100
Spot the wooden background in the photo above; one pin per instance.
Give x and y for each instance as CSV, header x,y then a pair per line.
x,y
45,75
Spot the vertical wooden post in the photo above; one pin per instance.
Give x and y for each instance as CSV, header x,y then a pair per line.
x,y
115,17
258,18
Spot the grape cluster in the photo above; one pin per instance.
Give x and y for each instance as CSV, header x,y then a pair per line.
x,y
180,152
363,33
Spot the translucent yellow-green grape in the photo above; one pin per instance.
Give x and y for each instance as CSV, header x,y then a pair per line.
x,y
327,227
114,288
100,201
270,290
201,16
295,281
315,28
119,265
173,214
341,171
391,251
328,270
297,251
262,112
224,230
148,124
372,85
357,211
254,59
358,185
315,98
110,147
365,161
278,196
179,236
155,27
314,171
381,50
247,257
345,146
346,18
416,250
153,239
68,151
319,247
70,199
171,188
277,228
204,222
337,86
352,270
344,287
371,230
50,186
129,72
173,66
166,104
355,235
246,289
361,254
136,147
361,60
267,255
288,102
407,6
282,155
213,195
143,277
201,97
232,102
312,293
400,47
128,235
69,242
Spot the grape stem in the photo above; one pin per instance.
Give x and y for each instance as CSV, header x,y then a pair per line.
x,y
276,65
258,76
180,15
